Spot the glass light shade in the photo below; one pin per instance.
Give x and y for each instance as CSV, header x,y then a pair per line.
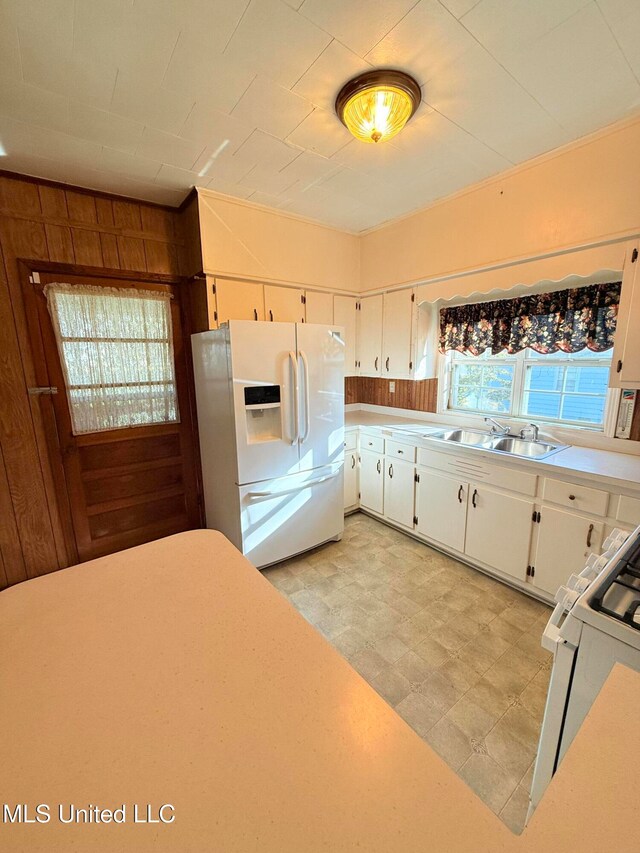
x,y
377,104
378,113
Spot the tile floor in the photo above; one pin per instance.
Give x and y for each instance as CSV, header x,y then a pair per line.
x,y
456,653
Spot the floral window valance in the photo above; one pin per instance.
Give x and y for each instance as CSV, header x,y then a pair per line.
x,y
566,320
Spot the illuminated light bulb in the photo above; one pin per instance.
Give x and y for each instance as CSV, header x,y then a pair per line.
x,y
377,105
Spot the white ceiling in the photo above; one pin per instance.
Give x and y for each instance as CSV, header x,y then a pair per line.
x,y
147,98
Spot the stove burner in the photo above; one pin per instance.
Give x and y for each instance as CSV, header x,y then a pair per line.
x,y
620,597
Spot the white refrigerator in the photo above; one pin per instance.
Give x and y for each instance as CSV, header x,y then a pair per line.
x,y
270,400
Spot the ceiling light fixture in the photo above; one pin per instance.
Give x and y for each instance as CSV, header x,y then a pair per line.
x,y
377,104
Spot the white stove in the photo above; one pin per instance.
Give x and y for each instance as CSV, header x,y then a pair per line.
x,y
595,624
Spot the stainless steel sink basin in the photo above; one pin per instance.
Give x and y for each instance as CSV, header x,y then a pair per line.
x,y
464,436
521,447
508,444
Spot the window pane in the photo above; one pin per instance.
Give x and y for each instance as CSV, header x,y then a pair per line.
x,y
545,378
542,404
587,409
495,400
117,356
588,380
482,387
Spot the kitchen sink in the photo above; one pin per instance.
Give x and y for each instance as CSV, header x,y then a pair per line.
x,y
464,436
521,447
508,444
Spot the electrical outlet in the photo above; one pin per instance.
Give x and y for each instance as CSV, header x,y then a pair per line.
x,y
392,387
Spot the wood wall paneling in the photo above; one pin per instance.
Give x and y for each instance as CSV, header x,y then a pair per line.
x,y
40,221
417,395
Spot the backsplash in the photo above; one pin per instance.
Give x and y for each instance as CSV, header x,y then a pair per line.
x,y
419,395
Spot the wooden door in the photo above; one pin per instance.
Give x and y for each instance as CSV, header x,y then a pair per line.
x,y
239,300
565,540
399,489
441,507
397,331
370,336
283,304
122,487
319,307
499,530
371,481
344,314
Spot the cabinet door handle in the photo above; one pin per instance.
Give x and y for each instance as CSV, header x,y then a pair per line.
x,y
378,466
387,364
376,364
391,472
353,460
270,315
589,532
460,493
473,498
255,313
572,497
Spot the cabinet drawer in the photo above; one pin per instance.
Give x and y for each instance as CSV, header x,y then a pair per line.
x,y
576,497
476,470
628,510
350,439
372,442
401,451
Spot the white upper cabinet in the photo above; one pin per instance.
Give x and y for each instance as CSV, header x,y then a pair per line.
x,y
398,334
239,300
370,336
283,304
319,307
344,314
625,365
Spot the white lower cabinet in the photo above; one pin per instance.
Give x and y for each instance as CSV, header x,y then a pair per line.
x,y
499,530
496,525
350,478
372,481
441,508
565,540
399,486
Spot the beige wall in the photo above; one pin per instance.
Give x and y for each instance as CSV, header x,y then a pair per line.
x,y
583,194
247,241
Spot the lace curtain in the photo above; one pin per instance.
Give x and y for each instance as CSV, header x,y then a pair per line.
x,y
116,350
567,320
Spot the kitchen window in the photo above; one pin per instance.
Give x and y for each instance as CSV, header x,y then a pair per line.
x,y
562,388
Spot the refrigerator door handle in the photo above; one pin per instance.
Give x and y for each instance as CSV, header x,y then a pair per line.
x,y
296,424
272,493
307,407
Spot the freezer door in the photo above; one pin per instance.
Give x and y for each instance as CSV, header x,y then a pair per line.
x,y
264,371
321,369
289,515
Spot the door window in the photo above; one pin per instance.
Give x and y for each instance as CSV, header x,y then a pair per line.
x,y
116,350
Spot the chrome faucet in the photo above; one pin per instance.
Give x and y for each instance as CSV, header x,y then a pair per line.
x,y
534,429
497,428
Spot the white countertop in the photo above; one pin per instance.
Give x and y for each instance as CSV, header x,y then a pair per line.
x,y
618,469
175,673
